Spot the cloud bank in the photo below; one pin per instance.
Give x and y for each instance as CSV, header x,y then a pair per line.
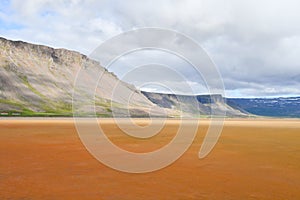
x,y
255,44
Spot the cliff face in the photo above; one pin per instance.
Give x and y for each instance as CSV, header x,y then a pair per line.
x,y
200,105
37,80
40,79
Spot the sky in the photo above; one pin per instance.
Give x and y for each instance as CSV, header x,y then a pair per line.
x,y
255,44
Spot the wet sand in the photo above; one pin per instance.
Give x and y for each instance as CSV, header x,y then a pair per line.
x,y
253,159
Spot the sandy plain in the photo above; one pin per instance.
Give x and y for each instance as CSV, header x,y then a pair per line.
x,y
253,159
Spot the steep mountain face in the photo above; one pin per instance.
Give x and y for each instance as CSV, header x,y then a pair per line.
x,y
37,80
197,106
40,79
273,107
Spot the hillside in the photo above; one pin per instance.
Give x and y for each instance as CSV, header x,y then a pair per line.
x,y
200,105
37,80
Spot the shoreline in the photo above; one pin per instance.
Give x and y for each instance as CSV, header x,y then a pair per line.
x,y
156,118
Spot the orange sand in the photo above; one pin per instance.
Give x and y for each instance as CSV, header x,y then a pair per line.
x,y
254,159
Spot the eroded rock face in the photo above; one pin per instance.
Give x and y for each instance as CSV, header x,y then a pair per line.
x,y
41,79
195,105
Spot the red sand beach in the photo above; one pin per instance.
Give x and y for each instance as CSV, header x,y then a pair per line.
x,y
253,159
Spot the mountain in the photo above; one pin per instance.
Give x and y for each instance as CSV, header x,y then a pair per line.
x,y
37,80
273,107
199,105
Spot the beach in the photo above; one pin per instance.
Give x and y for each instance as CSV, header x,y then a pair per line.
x,y
253,159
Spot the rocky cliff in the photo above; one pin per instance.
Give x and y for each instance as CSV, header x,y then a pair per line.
x,y
197,106
36,79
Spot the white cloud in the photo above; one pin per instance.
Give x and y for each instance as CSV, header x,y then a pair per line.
x,y
252,42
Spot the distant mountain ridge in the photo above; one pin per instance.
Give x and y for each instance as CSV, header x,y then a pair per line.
x,y
201,105
269,107
273,107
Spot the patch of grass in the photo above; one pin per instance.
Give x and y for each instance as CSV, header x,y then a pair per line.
x,y
11,102
108,104
104,104
58,108
51,108
30,113
26,82
103,115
